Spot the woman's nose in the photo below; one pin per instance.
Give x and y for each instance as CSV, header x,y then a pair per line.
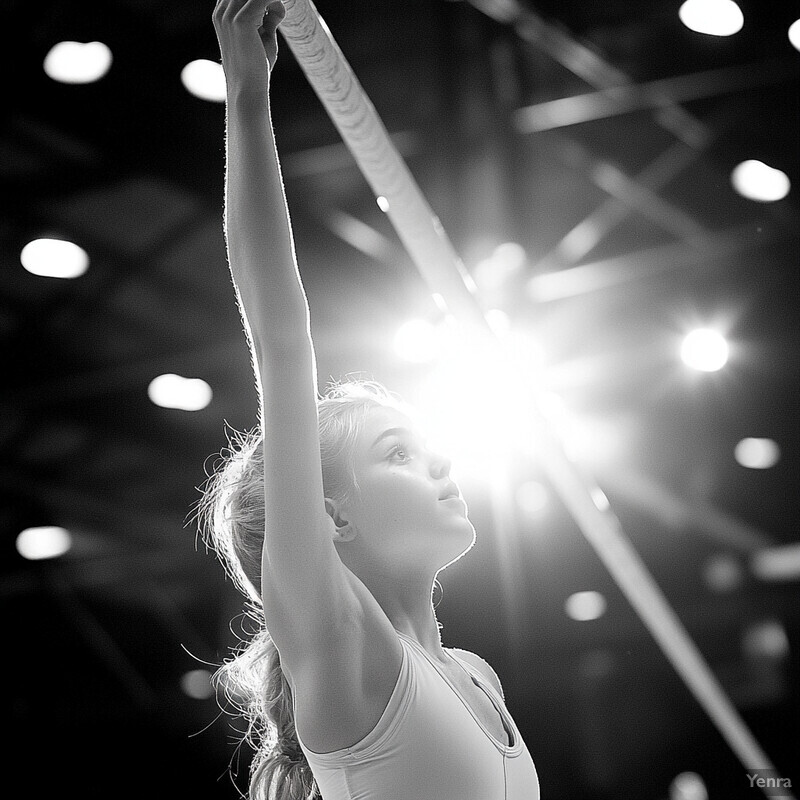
x,y
440,465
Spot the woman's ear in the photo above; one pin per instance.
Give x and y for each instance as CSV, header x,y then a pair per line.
x,y
343,530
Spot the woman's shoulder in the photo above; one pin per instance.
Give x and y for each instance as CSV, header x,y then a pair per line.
x,y
480,665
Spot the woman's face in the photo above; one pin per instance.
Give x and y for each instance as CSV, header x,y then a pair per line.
x,y
407,508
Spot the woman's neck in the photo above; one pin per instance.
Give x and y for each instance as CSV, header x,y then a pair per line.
x,y
405,595
409,607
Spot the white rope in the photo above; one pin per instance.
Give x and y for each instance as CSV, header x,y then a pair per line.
x,y
421,233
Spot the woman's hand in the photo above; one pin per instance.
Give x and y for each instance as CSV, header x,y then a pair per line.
x,y
248,41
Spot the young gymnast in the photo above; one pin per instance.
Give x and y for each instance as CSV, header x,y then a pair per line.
x,y
334,518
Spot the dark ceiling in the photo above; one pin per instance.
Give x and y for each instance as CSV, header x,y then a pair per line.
x,y
131,169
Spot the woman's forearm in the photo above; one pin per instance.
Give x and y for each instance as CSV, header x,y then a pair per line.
x,y
257,225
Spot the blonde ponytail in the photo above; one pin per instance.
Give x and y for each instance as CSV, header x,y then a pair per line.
x,y
232,518
254,683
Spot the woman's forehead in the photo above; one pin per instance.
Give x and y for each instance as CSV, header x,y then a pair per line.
x,y
380,423
381,418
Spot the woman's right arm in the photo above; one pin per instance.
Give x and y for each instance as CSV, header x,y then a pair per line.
x,y
311,600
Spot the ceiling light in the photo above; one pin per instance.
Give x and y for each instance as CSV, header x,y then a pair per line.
x,y
43,542
688,786
705,350
175,391
757,181
584,606
54,258
757,453
204,79
77,62
780,563
714,17
794,34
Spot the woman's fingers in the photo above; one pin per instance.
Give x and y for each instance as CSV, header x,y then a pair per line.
x,y
273,17
247,11
242,23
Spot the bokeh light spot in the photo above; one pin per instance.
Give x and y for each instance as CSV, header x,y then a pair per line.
x,y
713,17
532,498
48,541
705,350
688,786
766,639
757,181
54,258
196,683
723,573
585,606
175,391
77,62
755,453
204,79
794,34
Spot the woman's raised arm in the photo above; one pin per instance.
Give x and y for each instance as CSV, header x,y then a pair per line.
x,y
302,577
257,228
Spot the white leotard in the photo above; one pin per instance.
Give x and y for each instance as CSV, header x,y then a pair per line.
x,y
429,745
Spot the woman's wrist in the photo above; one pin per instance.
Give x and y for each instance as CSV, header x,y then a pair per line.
x,y
246,83
245,91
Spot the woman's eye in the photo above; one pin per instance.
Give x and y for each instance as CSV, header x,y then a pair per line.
x,y
399,453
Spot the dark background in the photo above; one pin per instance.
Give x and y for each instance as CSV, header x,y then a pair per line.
x,y
131,168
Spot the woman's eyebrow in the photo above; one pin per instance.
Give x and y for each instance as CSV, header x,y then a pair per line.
x,y
390,432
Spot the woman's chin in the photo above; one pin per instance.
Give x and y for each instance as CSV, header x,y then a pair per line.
x,y
465,544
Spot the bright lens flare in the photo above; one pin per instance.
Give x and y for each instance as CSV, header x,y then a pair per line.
x,y
498,321
705,350
417,341
477,403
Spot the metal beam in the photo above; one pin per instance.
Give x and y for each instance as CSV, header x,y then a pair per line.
x,y
582,238
658,94
680,514
582,60
635,195
641,264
